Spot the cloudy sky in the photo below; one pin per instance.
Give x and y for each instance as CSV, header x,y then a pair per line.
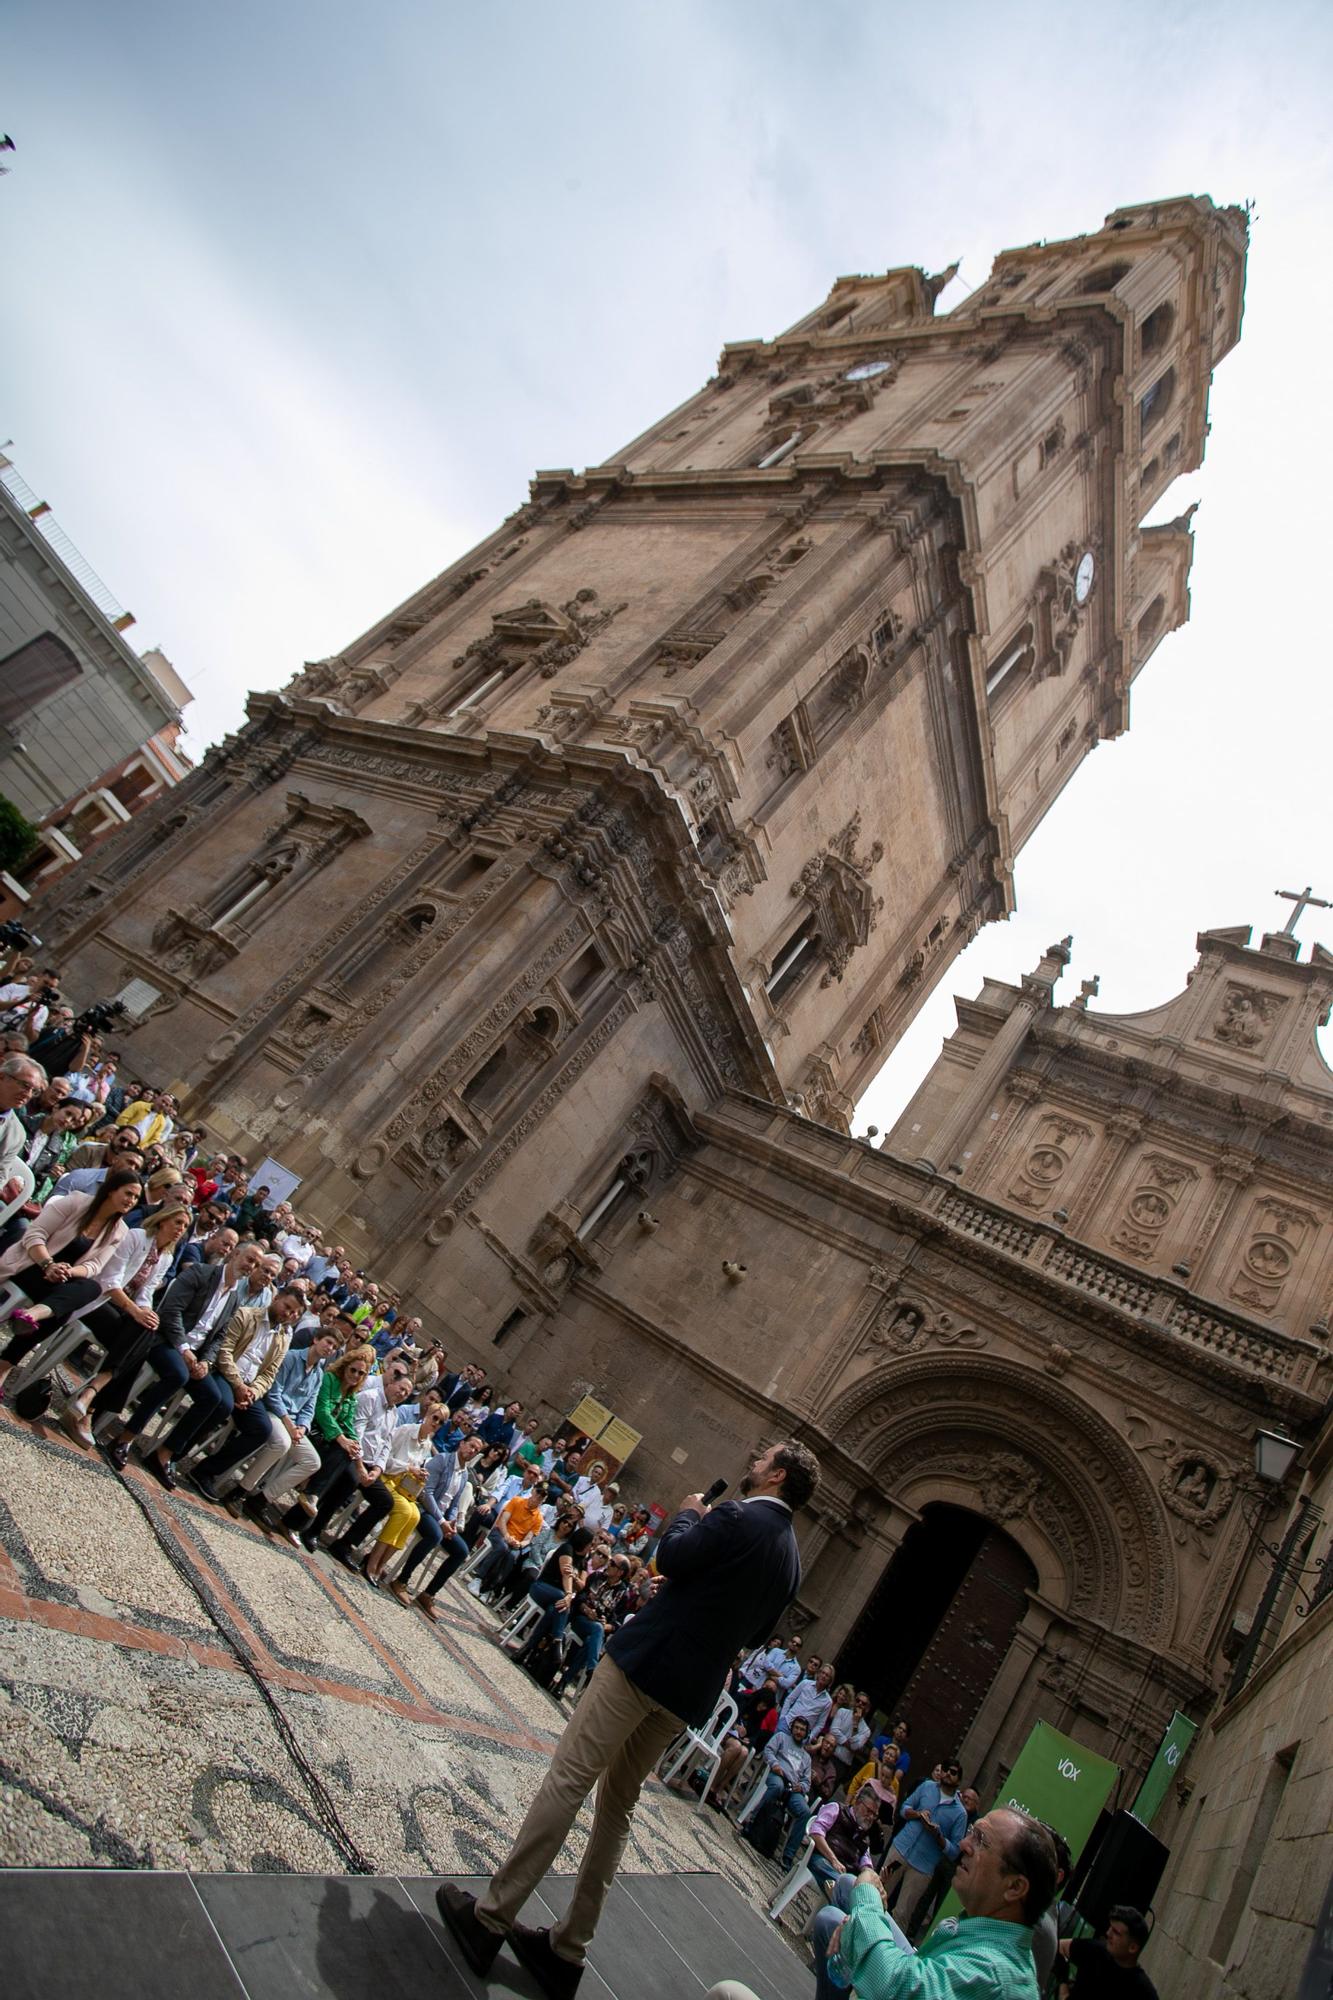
x,y
298,296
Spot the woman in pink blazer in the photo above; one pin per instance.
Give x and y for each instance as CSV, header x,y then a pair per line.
x,y
57,1261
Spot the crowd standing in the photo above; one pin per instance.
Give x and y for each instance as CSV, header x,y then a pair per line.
x,y
307,1400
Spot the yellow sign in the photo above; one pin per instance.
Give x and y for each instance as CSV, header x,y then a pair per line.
x,y
618,1440
591,1417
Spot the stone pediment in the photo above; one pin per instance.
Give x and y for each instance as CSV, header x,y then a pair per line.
x,y
534,623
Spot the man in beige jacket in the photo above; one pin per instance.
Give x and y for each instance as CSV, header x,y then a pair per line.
x,y
246,1362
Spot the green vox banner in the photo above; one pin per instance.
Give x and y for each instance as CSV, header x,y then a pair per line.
x,y
1180,1733
1058,1781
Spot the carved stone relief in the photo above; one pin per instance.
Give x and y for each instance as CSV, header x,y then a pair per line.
x,y
835,886
1159,1186
1089,1498
1278,1235
1056,1141
1247,1018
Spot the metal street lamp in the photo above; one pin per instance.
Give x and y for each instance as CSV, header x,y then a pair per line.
x,y
1274,1456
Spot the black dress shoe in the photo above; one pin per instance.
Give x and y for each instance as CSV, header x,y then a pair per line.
x,y
203,1489
458,1910
558,1977
347,1559
118,1454
165,1475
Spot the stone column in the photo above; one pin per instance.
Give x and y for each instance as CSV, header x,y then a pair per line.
x,y
945,1145
1123,1130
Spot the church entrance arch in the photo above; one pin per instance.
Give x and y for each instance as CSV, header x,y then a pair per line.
x,y
938,1625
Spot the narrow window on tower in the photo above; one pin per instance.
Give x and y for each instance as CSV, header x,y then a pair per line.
x,y
485,684
631,1178
1156,401
1150,625
797,957
774,450
1157,329
1012,665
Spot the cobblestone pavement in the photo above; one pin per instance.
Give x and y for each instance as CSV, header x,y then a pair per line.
x,y
131,1735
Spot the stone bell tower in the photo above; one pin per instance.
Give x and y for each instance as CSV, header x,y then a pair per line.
x,y
696,774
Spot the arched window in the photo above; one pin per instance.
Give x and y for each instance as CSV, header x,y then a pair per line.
x,y
522,1052
1103,278
367,970
1013,662
837,696
1150,625
1156,401
1157,329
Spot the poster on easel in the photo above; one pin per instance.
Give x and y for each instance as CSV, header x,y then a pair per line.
x,y
597,1437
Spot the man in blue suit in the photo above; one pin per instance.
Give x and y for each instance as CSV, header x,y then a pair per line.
x,y
731,1572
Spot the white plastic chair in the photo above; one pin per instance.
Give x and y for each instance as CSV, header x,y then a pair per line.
x,y
476,1557
23,1174
521,1622
798,1877
46,1356
700,1747
751,1805
745,1771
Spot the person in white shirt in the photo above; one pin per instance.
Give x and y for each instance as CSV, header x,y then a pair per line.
x,y
590,1496
123,1317
404,1474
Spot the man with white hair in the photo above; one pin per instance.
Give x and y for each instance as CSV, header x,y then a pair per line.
x,y
20,1076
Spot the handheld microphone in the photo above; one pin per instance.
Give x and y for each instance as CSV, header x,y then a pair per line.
x,y
715,1492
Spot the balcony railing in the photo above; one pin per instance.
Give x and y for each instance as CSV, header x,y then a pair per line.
x,y
1276,1356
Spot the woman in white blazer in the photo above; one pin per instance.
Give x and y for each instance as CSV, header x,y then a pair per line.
x,y
57,1262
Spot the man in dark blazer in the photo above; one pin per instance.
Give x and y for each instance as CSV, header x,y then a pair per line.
x,y
191,1294
731,1572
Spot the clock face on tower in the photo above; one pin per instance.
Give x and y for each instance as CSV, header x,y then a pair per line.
x,y
864,371
1083,577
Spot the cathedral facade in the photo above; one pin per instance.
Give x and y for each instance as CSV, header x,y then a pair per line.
x,y
551,932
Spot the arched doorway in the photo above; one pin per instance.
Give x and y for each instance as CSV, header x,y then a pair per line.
x,y
937,1626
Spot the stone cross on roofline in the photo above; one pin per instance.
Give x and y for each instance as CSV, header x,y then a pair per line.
x,y
1303,899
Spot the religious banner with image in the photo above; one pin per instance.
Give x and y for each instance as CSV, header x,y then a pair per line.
x,y
1058,1781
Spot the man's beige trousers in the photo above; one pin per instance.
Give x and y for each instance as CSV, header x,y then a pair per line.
x,y
612,1740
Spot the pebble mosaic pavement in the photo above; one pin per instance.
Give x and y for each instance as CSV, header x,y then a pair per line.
x,y
131,1737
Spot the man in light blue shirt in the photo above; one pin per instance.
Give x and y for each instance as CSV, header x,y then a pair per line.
x,y
933,1822
809,1700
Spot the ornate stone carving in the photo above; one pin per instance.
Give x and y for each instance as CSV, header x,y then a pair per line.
x,y
1092,1501
1056,1140
532,634
1160,1184
1247,1018
1007,1485
1059,613
1279,1233
835,886
487,1031
899,1328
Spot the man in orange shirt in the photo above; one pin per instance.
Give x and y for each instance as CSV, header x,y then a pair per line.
x,y
517,1522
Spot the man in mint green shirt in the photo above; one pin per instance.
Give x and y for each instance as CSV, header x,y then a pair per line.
x,y
1004,1880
